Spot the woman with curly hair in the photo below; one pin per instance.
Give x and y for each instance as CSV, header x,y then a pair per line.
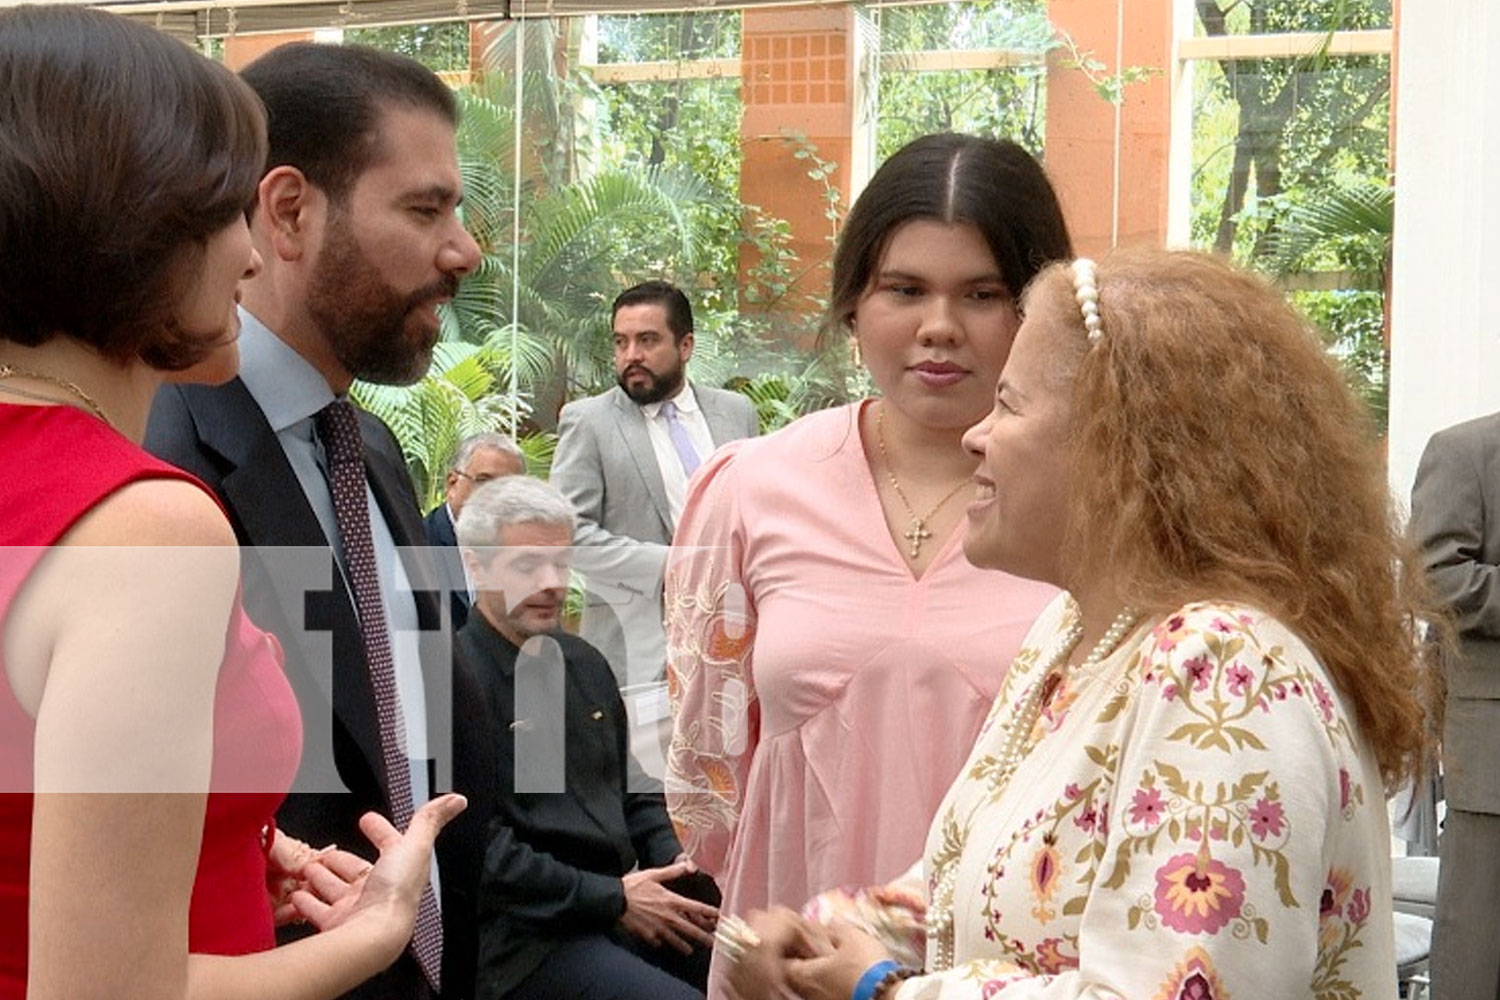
x,y
1180,790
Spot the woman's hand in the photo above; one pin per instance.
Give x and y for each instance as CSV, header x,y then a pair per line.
x,y
386,894
761,971
293,864
833,976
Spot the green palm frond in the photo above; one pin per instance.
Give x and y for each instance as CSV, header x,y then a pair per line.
x,y
1351,226
539,449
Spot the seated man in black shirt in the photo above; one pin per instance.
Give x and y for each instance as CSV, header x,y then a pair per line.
x,y
585,890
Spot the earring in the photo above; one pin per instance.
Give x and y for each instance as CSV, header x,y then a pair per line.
x,y
854,356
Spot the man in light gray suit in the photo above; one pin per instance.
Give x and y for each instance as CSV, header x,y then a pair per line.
x,y
624,459
1455,518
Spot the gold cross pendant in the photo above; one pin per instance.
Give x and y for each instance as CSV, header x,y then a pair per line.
x,y
917,534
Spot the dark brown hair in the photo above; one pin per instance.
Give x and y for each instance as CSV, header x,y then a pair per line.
x,y
992,183
1218,454
665,294
324,102
121,152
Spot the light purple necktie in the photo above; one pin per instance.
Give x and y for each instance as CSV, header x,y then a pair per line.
x,y
338,428
678,432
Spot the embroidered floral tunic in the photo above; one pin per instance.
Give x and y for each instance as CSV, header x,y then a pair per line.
x,y
1198,817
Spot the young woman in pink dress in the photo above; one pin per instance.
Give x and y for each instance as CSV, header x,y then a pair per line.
x,y
146,731
827,669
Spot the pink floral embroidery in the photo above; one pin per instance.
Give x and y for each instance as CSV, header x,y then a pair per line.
x,y
1146,807
1220,625
1267,819
1044,870
1198,896
1358,909
1199,672
1325,700
1086,820
1335,894
1239,678
1343,789
1051,960
1194,978
1170,632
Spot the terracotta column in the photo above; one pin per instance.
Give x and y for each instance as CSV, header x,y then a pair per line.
x,y
1080,136
797,78
241,50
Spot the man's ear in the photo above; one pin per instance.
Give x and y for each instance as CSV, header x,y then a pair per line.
x,y
685,346
288,210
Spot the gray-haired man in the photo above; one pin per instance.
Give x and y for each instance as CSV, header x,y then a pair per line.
x,y
584,879
479,459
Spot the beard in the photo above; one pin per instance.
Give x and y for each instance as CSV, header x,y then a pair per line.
x,y
656,387
363,317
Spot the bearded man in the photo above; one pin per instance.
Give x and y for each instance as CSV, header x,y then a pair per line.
x,y
624,459
356,223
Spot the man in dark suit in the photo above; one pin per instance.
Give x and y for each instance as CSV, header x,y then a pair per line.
x,y
586,891
479,459
355,222
1455,519
624,459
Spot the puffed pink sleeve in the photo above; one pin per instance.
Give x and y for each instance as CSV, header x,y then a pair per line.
x,y
710,622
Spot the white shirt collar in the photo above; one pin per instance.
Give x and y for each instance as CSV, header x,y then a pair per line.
x,y
686,402
284,384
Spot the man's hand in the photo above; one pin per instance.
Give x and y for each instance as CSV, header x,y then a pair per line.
x,y
658,916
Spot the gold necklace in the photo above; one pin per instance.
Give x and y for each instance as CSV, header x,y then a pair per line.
x,y
917,533
72,388
1014,750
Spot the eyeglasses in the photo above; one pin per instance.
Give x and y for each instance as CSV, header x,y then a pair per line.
x,y
479,480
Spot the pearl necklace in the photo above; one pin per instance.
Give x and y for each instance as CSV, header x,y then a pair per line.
x,y
1012,752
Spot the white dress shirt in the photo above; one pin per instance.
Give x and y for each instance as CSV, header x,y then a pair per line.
x,y
691,417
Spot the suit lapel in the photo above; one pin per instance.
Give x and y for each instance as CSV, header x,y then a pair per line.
x,y
721,423
630,422
272,513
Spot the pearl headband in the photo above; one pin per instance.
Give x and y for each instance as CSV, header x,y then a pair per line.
x,y
1086,291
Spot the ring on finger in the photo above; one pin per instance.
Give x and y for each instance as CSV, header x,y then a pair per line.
x,y
734,937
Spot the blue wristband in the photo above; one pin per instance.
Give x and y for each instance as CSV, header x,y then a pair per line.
x,y
874,975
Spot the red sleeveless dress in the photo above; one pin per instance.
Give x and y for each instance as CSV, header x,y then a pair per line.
x,y
58,463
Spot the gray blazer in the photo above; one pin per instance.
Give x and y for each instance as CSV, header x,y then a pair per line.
x,y
1455,519
606,466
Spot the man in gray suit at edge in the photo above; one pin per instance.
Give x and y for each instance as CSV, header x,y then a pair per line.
x,y
624,459
1455,519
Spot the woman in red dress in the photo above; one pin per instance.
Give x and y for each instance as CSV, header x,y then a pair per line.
x,y
146,731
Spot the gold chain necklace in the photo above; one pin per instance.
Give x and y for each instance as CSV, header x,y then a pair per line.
x,y
72,388
917,533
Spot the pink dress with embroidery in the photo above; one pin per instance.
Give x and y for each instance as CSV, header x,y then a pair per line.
x,y
823,698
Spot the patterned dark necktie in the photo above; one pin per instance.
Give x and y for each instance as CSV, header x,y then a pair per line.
x,y
338,428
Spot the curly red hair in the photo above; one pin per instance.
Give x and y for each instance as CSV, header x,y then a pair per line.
x,y
1219,454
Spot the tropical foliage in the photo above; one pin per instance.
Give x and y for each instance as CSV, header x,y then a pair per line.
x,y
613,183
1291,169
